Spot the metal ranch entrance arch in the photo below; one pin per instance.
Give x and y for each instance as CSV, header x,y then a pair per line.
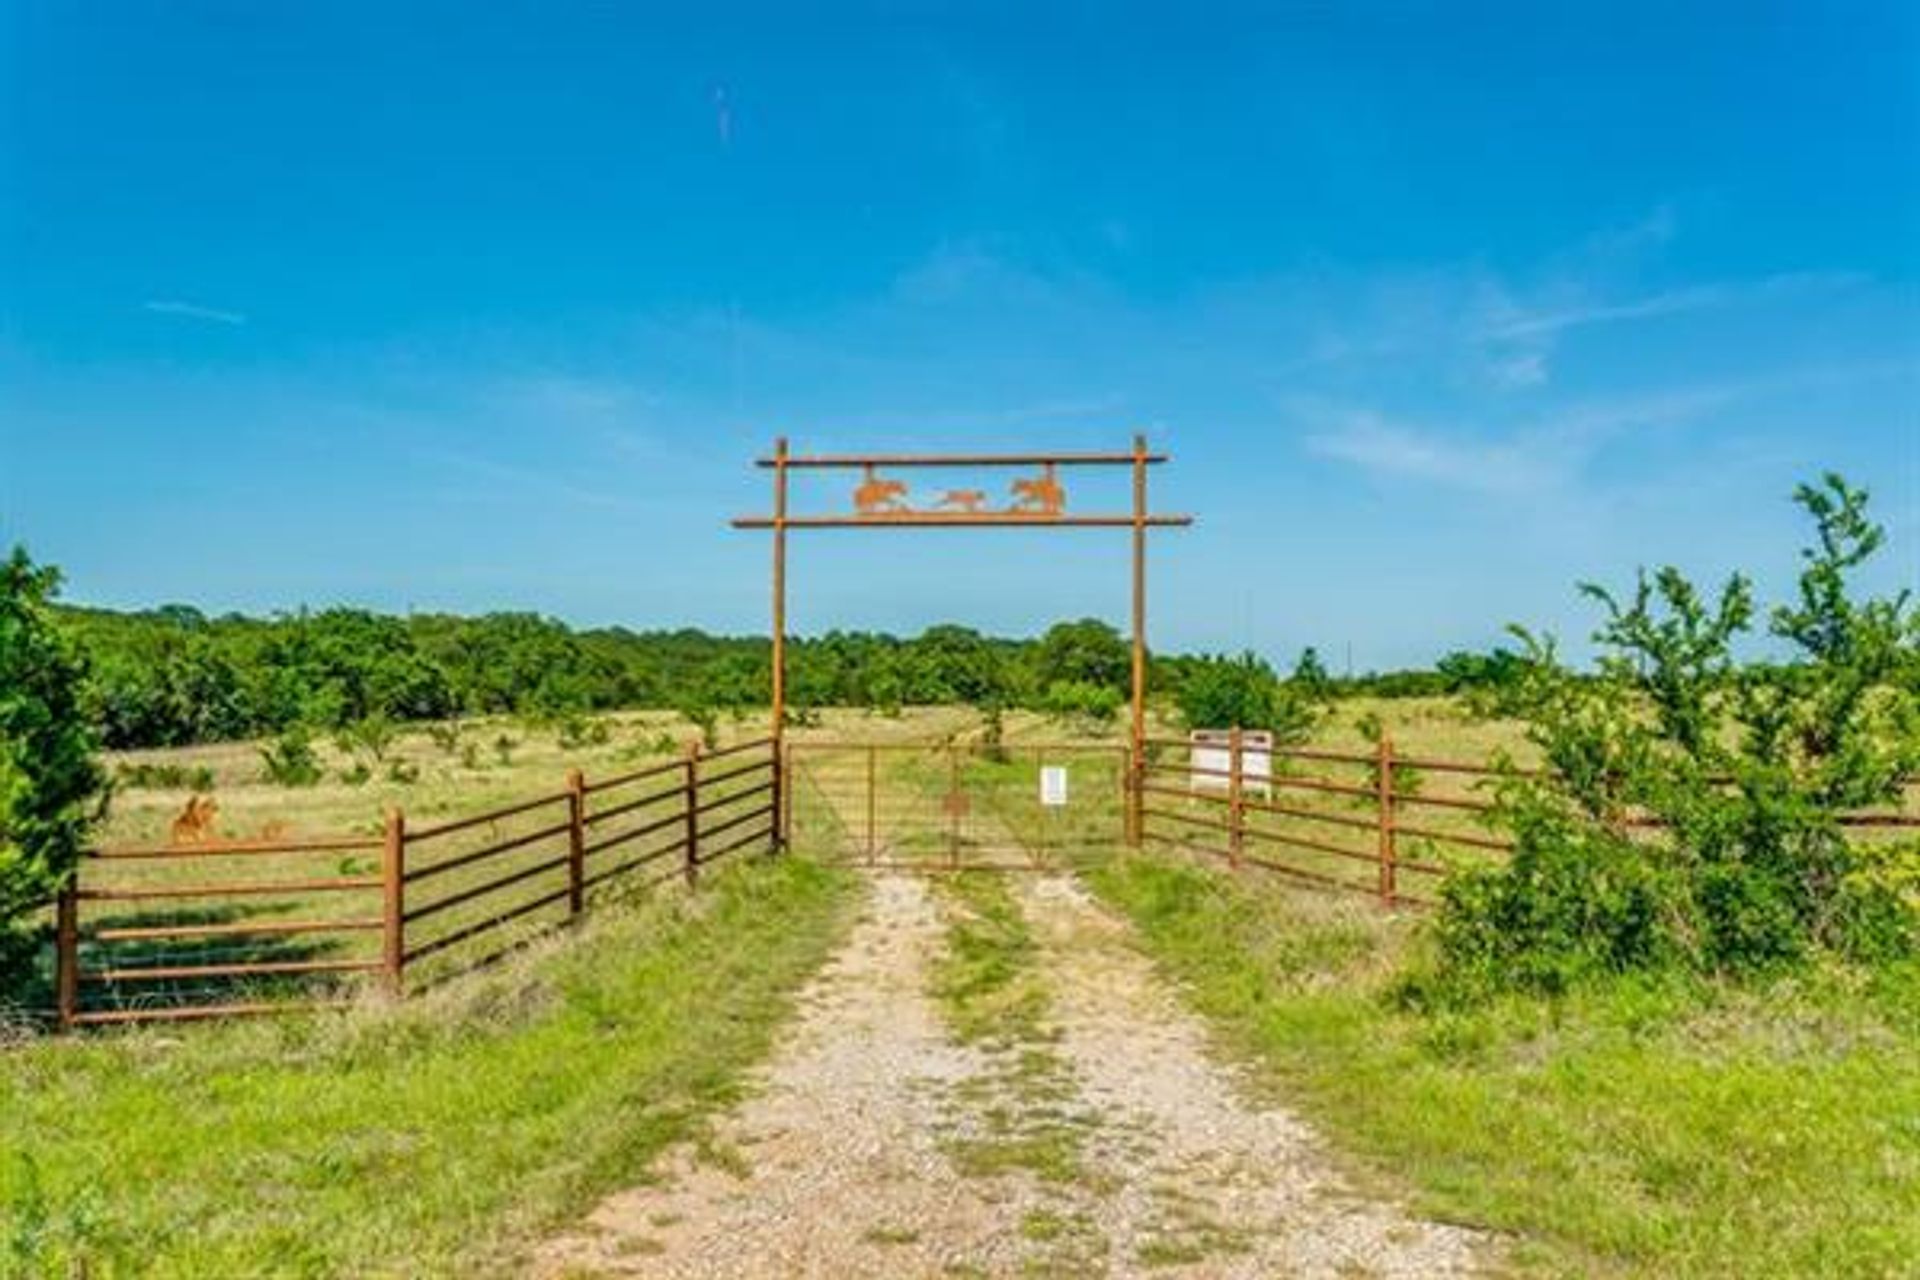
x,y
1036,498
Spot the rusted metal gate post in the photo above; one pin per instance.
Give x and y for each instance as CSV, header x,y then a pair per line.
x,y
67,952
393,873
1384,797
779,626
692,788
576,841
1236,803
1138,729
783,785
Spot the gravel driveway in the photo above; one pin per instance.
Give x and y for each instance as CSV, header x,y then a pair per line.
x,y
859,1152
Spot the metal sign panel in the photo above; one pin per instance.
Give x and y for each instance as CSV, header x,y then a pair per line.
x,y
1053,785
1210,760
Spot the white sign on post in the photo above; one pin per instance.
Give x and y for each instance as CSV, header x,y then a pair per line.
x,y
1053,785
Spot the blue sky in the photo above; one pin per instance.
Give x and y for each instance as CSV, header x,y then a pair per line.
x,y
1438,307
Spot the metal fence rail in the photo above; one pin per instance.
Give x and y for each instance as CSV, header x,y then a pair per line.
x,y
173,932
1376,822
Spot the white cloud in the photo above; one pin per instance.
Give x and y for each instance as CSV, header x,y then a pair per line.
x,y
193,311
1374,443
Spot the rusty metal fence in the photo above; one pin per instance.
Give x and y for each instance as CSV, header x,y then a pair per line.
x,y
179,932
1380,822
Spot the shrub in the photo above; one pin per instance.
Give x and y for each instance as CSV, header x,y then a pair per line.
x,y
1219,692
446,735
51,789
374,735
1743,772
290,759
707,719
165,777
577,731
1082,703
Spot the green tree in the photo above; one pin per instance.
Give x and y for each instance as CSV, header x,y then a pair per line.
x,y
1221,693
1310,675
51,788
1084,652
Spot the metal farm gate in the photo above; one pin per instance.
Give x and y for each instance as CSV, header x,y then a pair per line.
x,y
955,806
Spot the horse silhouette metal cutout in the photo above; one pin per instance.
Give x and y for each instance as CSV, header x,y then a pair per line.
x,y
1042,495
877,496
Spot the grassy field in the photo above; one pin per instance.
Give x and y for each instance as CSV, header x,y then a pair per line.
x,y
455,779
1639,1131
429,1138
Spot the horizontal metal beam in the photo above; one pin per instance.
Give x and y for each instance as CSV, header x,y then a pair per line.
x,y
959,520
859,460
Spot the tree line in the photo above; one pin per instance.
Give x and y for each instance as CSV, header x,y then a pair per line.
x,y
171,676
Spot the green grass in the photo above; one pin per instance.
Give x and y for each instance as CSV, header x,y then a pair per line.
x,y
430,1138
1635,1131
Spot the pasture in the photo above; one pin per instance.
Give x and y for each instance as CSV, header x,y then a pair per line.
x,y
1651,1129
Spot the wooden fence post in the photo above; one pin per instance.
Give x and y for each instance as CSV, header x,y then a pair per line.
x,y
1236,805
576,841
1384,797
693,814
67,951
393,870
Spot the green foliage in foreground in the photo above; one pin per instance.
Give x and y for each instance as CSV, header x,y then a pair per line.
x,y
1748,771
51,789
432,1138
1661,1130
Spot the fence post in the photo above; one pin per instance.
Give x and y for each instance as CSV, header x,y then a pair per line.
x,y
693,814
1384,797
393,870
783,797
67,951
576,842
1131,795
1236,806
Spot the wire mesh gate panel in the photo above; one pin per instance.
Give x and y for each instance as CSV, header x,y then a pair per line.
x,y
946,806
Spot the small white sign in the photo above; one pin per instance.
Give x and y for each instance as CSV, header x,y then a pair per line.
x,y
1053,785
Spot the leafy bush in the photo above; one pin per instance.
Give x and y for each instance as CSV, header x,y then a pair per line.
x,y
706,719
1690,814
1219,692
1082,703
577,731
447,735
373,735
51,789
290,759
165,777
1310,676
